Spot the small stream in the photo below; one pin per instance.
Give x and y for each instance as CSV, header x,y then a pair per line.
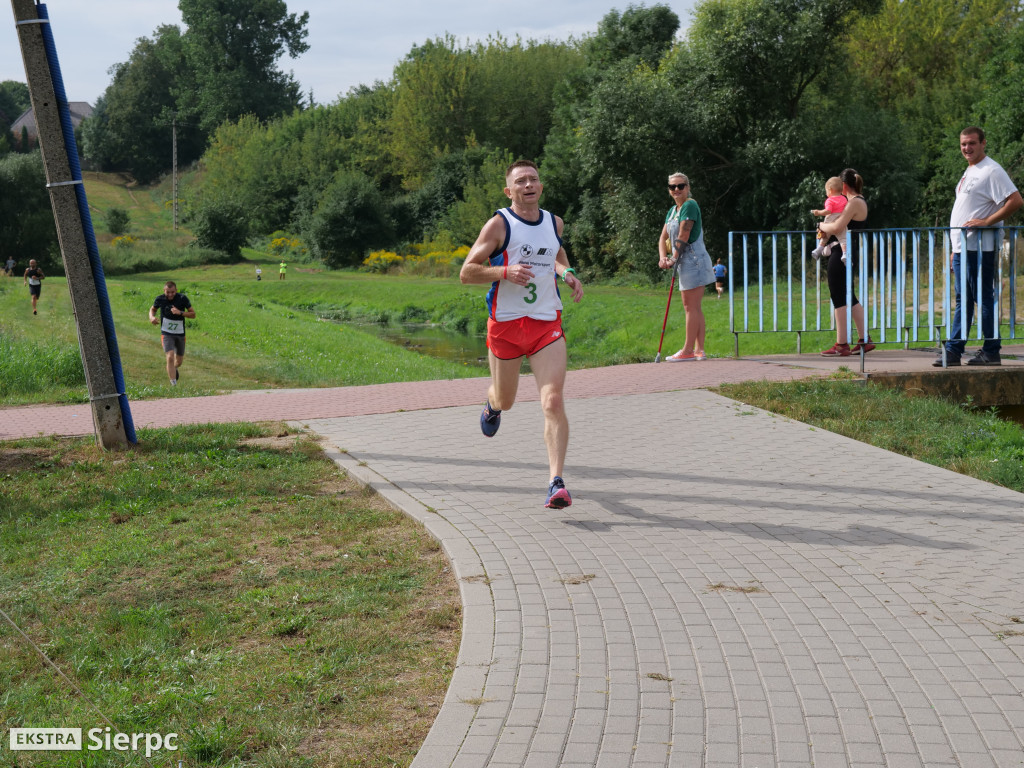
x,y
430,340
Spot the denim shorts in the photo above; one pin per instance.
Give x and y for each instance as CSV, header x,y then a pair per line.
x,y
694,269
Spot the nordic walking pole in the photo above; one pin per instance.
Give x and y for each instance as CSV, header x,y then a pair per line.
x,y
671,287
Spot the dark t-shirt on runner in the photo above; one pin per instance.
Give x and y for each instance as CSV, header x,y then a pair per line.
x,y
164,304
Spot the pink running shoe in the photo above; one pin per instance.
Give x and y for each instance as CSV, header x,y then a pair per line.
x,y
558,496
680,357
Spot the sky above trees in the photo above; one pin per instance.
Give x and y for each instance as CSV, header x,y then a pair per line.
x,y
350,43
748,103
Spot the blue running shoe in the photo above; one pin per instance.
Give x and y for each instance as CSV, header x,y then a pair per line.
x,y
558,496
490,420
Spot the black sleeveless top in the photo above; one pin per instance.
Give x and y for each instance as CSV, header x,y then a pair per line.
x,y
855,227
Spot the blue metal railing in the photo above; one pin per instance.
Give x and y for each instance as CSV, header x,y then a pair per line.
x,y
903,280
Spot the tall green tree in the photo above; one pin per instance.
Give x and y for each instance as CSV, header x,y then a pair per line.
x,y
511,93
233,47
131,125
638,35
27,229
350,219
482,195
1001,107
248,160
739,108
627,48
14,100
278,168
420,213
222,67
498,94
429,116
908,46
759,58
928,64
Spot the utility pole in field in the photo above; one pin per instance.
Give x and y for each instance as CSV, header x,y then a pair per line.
x,y
96,350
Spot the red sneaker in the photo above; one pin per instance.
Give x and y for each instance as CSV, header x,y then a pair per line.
x,y
837,350
868,346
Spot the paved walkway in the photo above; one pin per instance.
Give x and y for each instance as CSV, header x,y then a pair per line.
x,y
730,588
285,404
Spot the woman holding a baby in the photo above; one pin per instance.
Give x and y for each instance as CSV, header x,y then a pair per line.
x,y
853,218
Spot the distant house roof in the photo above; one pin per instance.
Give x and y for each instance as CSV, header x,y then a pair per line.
x,y
79,111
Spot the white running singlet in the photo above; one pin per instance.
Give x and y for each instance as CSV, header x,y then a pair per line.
x,y
535,244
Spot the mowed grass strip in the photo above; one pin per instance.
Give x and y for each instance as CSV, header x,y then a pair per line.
x,y
273,333
239,340
949,435
226,583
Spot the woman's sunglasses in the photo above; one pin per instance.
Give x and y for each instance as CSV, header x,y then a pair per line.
x,y
677,186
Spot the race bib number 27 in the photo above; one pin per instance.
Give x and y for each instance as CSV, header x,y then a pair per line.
x,y
168,325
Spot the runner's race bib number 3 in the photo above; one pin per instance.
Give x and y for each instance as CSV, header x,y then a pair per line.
x,y
172,326
532,288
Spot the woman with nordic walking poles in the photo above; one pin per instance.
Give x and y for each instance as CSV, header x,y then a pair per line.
x,y
681,248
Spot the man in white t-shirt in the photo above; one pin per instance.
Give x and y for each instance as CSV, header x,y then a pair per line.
x,y
985,196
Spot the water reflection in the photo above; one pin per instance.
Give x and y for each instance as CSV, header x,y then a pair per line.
x,y
1014,413
431,340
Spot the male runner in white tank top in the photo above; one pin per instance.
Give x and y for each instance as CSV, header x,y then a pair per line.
x,y
519,252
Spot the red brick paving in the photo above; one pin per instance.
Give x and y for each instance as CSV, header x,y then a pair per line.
x,y
299,404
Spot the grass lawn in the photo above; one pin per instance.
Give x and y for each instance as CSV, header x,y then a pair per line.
x,y
225,583
272,333
240,339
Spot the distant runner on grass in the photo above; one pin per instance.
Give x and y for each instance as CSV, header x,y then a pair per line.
x,y
519,252
169,311
34,280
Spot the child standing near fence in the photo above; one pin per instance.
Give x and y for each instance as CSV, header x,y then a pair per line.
x,y
835,202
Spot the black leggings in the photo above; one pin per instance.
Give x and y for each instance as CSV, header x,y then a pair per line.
x,y
837,276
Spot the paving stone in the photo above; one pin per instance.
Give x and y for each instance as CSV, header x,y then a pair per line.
x,y
880,583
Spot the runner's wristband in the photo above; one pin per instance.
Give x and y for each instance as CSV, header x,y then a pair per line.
x,y
567,271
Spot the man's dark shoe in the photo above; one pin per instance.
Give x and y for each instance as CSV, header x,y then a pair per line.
x,y
951,361
985,358
490,420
